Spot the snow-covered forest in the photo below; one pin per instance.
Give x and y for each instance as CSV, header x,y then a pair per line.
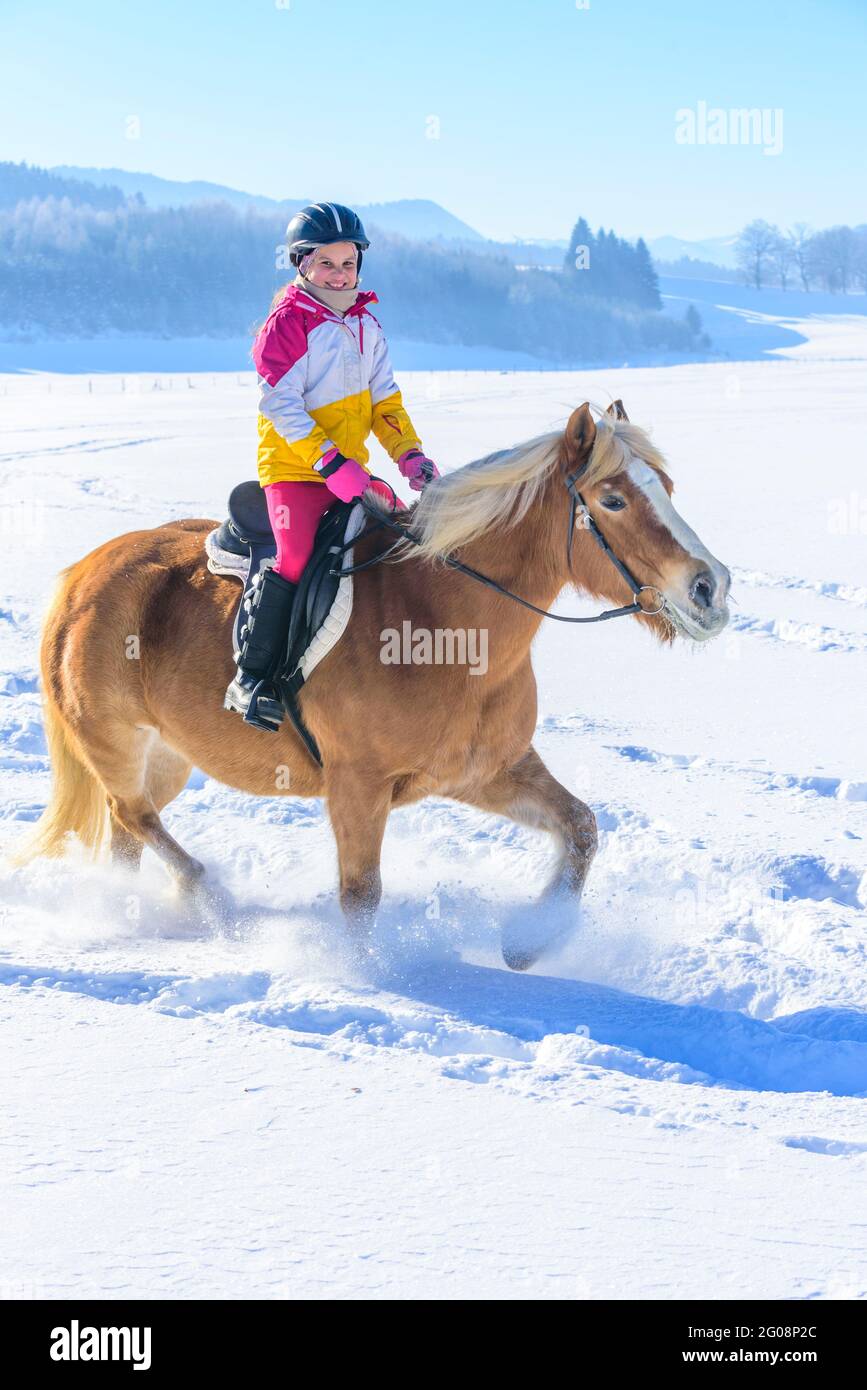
x,y
77,260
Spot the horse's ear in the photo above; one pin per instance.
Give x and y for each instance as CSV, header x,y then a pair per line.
x,y
616,409
580,433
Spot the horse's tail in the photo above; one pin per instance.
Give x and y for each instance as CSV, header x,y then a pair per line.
x,y
78,801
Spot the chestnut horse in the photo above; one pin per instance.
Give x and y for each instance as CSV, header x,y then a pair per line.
x,y
137,653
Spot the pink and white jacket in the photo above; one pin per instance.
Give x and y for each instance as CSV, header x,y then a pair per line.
x,y
325,382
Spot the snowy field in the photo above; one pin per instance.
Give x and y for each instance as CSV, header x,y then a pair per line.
x,y
674,1105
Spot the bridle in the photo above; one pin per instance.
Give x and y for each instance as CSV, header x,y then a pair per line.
x,y
578,507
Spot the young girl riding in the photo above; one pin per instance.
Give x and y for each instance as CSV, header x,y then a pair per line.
x,y
325,382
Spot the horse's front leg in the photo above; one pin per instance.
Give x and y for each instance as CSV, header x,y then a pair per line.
x,y
358,807
528,794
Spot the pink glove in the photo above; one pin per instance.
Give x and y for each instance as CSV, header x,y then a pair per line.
x,y
344,477
417,468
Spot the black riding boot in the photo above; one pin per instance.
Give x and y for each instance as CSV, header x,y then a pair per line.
x,y
253,692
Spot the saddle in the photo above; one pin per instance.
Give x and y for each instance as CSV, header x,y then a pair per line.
x,y
245,544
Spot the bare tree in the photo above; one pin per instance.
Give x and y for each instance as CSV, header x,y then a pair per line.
x,y
800,239
859,262
753,251
833,256
781,258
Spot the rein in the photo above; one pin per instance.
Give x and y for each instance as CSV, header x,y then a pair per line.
x,y
577,506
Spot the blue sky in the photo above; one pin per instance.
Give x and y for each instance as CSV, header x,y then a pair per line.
x,y
544,110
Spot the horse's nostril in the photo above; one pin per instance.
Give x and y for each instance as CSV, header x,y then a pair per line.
x,y
702,590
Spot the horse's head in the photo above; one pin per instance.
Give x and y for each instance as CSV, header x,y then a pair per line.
x,y
628,493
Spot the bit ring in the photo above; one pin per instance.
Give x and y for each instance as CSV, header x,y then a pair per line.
x,y
652,612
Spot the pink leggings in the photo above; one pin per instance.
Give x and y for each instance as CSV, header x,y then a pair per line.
x,y
295,510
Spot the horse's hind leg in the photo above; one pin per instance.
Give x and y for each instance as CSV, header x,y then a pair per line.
x,y
165,775
141,775
530,795
126,849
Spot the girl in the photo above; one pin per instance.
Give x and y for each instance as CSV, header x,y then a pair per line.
x,y
325,381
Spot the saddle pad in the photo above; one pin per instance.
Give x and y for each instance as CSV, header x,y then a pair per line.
x,y
223,562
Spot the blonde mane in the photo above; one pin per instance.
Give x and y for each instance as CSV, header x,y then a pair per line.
x,y
497,491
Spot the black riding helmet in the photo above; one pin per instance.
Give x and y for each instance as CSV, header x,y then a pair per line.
x,y
319,224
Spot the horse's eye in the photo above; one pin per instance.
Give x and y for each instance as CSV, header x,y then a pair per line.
x,y
612,503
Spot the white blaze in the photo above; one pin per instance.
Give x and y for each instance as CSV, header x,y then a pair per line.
x,y
650,483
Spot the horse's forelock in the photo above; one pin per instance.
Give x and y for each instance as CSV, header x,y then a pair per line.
x,y
618,441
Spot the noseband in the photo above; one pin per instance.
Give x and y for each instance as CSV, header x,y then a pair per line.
x,y
578,507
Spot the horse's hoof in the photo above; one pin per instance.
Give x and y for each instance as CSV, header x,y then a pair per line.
x,y
518,960
187,882
193,876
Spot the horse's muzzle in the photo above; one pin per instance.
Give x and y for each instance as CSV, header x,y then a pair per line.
x,y
701,612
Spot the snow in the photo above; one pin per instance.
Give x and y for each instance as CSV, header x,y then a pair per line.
x,y
672,1104
131,353
745,323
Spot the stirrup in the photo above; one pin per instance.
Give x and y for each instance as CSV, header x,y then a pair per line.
x,y
265,710
256,700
